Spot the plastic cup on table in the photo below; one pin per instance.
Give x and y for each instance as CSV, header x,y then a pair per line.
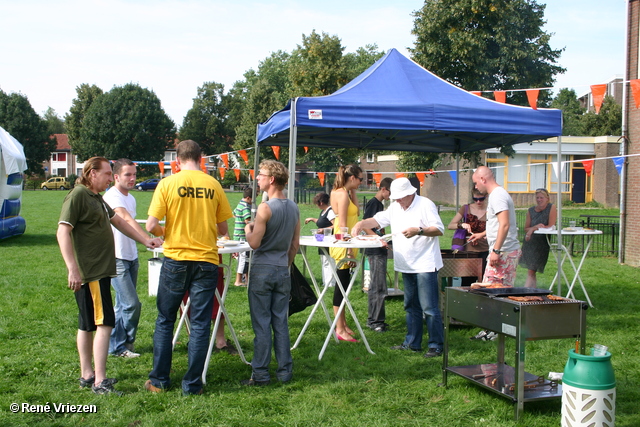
x,y
327,232
319,235
572,224
600,350
343,231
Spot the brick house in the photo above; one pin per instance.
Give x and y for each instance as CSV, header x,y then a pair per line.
x,y
62,161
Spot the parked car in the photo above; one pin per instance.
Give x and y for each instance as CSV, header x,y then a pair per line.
x,y
149,184
55,183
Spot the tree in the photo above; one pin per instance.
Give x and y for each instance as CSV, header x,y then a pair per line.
x,y
572,113
607,122
128,121
207,122
74,119
54,123
18,117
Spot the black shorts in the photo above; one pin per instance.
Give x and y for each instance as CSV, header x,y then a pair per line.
x,y
95,306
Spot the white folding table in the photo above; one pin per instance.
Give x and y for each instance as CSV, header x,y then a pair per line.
x,y
330,242
242,247
561,253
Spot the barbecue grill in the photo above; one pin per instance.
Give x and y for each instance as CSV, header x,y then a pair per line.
x,y
524,321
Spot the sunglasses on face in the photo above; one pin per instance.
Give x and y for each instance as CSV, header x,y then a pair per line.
x,y
478,199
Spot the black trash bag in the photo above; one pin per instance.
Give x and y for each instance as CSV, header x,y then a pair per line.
x,y
302,295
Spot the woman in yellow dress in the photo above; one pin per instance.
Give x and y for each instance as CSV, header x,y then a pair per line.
x,y
345,206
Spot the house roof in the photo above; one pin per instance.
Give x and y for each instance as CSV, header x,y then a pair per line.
x,y
63,141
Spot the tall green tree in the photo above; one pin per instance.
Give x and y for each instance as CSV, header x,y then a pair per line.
x,y
18,117
572,113
54,123
86,95
207,122
608,121
128,121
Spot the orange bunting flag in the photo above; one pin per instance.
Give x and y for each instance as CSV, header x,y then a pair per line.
x,y
500,96
420,176
399,175
306,150
225,159
243,154
377,177
476,92
237,172
222,171
276,151
161,167
532,96
174,167
635,90
588,166
251,173
431,172
598,91
321,178
203,164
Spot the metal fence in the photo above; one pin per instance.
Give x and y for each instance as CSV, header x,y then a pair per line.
x,y
605,244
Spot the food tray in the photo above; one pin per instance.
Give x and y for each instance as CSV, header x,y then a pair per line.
x,y
509,292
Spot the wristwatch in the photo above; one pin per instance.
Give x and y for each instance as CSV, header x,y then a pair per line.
x,y
420,232
497,251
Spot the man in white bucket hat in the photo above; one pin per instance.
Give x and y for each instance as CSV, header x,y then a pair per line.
x,y
415,225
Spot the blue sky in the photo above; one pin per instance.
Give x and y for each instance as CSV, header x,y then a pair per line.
x,y
174,46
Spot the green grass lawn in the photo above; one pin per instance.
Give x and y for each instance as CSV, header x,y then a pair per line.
x,y
39,362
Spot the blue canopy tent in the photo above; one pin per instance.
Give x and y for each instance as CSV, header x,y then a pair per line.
x,y
398,105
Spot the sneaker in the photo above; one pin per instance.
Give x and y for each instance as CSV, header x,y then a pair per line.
x,y
89,382
128,354
490,336
485,335
380,328
433,352
150,387
253,383
229,348
404,347
106,387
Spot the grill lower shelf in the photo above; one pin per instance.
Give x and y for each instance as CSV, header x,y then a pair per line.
x,y
499,378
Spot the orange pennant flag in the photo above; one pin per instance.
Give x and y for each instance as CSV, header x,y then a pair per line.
x,y
532,96
203,164
251,173
476,92
174,167
420,176
500,96
588,166
306,150
399,175
237,172
635,90
321,178
222,171
377,177
431,172
243,154
598,91
276,151
225,159
161,167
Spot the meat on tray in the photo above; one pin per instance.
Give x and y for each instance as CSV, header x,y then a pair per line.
x,y
528,298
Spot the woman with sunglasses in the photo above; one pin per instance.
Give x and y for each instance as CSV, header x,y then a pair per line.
x,y
473,218
345,206
535,249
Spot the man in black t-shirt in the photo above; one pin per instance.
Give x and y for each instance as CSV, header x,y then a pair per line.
x,y
377,262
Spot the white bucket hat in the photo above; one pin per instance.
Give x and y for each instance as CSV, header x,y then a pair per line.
x,y
400,188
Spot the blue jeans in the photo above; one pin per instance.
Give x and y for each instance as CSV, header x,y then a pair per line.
x,y
269,289
421,301
177,277
128,306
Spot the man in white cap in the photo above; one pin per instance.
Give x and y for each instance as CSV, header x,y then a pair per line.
x,y
415,225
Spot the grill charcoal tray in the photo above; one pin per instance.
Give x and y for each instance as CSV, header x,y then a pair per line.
x,y
510,292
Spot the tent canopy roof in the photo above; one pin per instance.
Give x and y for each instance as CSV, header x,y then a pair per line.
x,y
398,105
11,153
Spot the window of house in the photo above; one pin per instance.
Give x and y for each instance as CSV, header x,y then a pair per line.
x,y
565,175
517,173
538,171
62,157
371,158
497,162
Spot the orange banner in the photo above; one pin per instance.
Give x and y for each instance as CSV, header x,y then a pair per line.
x,y
635,90
598,91
161,167
321,178
237,172
532,96
174,167
431,172
251,173
476,92
377,177
243,154
420,176
399,175
203,164
306,150
276,151
225,159
500,96
588,166
222,171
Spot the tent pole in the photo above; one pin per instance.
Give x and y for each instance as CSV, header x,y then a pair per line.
x,y
256,171
458,181
293,139
559,211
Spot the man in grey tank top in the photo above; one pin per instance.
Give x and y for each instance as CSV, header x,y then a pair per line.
x,y
275,238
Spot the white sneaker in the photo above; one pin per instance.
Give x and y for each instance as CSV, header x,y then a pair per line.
x,y
128,354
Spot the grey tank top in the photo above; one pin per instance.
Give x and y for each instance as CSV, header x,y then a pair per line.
x,y
277,237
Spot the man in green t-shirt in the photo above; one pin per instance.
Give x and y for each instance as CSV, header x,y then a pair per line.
x,y
87,246
242,216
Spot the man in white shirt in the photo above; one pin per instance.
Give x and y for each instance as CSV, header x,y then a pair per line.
x,y
416,225
128,306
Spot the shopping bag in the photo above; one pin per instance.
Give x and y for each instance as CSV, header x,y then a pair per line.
x,y
302,295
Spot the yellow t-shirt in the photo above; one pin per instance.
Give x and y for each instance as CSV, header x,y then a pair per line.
x,y
192,203
352,217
